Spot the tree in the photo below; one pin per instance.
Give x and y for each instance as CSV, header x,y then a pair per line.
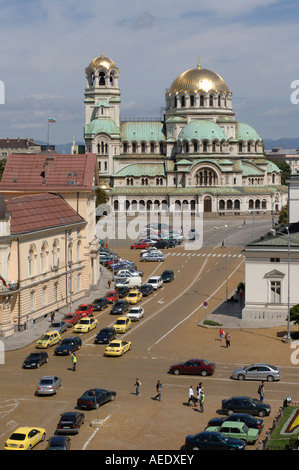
x,y
294,314
283,215
101,197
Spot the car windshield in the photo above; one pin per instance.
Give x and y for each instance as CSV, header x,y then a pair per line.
x,y
114,345
17,436
67,341
33,356
132,294
84,322
120,322
82,308
44,337
57,324
46,382
105,331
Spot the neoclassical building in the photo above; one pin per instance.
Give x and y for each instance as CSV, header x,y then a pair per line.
x,y
197,156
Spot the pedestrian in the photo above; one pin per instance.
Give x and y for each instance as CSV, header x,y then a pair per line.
x,y
227,339
201,400
74,360
137,385
191,396
222,244
159,390
52,316
221,333
261,391
109,283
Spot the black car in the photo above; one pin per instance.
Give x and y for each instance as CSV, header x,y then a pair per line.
x,y
212,440
167,276
162,244
122,291
105,335
59,443
35,359
70,423
94,398
248,405
172,242
100,304
120,307
68,346
250,421
146,289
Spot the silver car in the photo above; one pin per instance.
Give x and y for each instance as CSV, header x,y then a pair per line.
x,y
257,372
48,385
60,326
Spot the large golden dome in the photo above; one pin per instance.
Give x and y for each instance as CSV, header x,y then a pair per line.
x,y
198,80
100,62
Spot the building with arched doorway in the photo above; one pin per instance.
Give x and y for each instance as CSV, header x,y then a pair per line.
x,y
197,156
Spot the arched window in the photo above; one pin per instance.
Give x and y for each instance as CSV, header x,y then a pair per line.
x,y
221,204
31,261
237,204
251,204
43,258
183,101
79,244
201,100
211,100
102,78
55,254
192,101
206,177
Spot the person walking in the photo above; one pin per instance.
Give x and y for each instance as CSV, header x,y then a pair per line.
x,y
109,283
227,339
191,396
201,400
74,361
261,391
221,333
159,391
137,385
199,388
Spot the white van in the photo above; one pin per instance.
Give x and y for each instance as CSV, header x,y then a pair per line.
x,y
155,281
132,282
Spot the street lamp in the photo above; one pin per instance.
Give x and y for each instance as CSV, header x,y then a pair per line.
x,y
227,231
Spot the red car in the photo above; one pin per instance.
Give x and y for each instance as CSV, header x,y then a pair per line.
x,y
71,319
141,245
84,310
111,296
194,367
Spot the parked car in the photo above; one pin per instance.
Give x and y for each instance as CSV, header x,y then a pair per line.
x,y
134,296
48,339
240,404
135,313
194,367
100,304
155,281
162,244
68,346
140,245
105,335
236,430
257,372
123,291
35,360
122,324
111,296
120,307
60,326
146,289
153,256
48,385
172,242
95,397
117,348
70,423
250,421
167,276
212,441
71,319
59,443
132,282
25,438
85,310
85,325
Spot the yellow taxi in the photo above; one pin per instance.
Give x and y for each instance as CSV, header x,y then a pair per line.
x,y
134,296
122,324
25,438
85,325
117,348
48,339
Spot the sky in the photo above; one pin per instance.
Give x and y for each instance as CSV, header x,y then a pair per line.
x,y
46,46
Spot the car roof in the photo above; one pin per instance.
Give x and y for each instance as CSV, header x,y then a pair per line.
x,y
237,424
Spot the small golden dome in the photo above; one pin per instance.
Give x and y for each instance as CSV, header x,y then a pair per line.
x,y
102,62
198,80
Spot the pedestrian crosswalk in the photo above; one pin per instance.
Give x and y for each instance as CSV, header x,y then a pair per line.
x,y
212,255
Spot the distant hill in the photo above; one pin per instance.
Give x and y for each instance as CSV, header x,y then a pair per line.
x,y
283,142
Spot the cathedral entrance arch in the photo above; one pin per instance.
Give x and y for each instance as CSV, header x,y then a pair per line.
x,y
207,204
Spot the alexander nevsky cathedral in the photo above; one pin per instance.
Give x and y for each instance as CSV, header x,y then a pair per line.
x,y
197,156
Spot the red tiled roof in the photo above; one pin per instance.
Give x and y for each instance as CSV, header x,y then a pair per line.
x,y
37,172
40,211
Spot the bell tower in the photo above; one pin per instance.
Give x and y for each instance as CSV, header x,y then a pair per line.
x,y
102,113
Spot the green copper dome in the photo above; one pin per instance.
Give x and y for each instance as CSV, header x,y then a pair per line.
x,y
101,125
246,132
202,129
